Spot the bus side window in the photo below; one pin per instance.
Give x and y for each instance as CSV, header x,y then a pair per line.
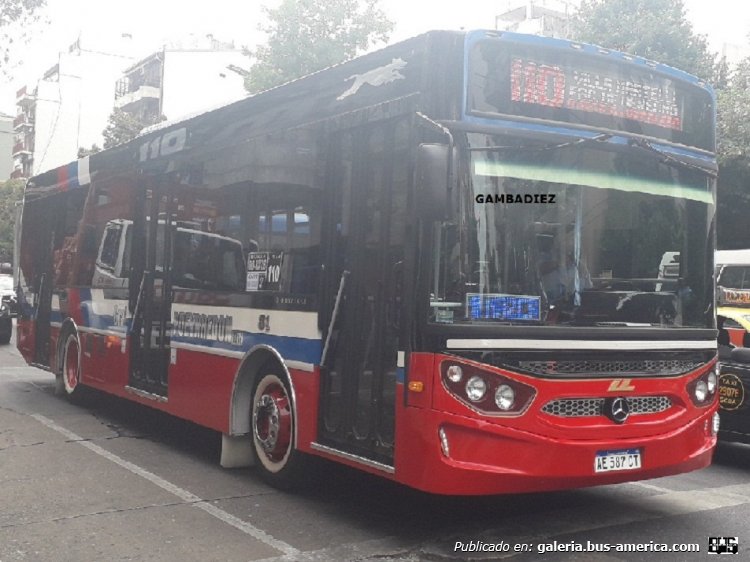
x,y
292,226
110,246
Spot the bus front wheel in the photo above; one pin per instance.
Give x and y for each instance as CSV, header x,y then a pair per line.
x,y
273,428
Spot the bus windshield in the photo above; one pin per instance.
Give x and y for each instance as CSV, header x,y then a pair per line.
x,y
575,235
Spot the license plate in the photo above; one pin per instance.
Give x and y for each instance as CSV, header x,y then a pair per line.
x,y
607,461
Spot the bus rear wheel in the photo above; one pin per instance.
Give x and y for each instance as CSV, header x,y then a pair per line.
x,y
273,429
71,369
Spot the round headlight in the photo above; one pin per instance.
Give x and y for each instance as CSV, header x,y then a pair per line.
x,y
476,388
711,381
454,373
504,397
701,391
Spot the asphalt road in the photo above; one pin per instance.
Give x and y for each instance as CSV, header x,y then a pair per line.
x,y
110,480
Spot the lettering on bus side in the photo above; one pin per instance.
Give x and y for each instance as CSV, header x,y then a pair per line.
x,y
216,327
163,145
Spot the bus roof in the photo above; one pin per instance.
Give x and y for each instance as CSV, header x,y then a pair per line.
x,y
732,257
341,95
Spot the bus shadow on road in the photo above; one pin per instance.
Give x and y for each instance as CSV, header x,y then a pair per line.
x,y
732,455
133,420
344,491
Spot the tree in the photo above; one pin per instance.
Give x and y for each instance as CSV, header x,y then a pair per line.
x,y
11,191
88,151
123,127
733,135
15,14
653,29
305,36
658,30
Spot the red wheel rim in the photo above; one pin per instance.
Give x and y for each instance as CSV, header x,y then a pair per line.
x,y
273,422
71,365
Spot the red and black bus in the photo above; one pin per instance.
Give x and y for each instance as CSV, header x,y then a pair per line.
x,y
438,262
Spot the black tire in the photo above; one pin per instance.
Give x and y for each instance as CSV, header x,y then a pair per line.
x,y
273,426
5,340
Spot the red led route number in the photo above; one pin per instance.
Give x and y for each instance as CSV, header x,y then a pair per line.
x,y
585,90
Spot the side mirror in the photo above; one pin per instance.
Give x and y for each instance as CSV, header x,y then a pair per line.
x,y
434,171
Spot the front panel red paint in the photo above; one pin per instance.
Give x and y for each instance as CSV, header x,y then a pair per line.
x,y
536,451
489,459
306,388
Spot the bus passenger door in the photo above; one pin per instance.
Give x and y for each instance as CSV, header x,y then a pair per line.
x,y
365,255
38,235
153,231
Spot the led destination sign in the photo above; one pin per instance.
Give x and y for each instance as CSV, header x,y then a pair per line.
x,y
515,80
595,92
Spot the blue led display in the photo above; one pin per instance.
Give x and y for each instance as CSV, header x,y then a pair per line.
x,y
502,307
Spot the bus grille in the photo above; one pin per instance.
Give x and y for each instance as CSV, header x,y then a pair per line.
x,y
586,407
663,367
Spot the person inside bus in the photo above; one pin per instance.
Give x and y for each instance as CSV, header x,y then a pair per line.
x,y
561,276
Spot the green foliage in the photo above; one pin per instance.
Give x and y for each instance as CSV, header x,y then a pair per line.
x,y
734,116
653,29
122,127
658,30
11,191
305,36
88,151
16,14
733,135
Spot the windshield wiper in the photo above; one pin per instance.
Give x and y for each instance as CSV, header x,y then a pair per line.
x,y
671,159
665,157
543,147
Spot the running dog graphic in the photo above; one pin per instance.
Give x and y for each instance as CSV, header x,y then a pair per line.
x,y
376,77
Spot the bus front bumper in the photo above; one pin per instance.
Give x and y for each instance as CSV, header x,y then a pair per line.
x,y
451,454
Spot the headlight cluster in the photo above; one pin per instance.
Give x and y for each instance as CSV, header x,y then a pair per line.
x,y
4,309
703,389
485,391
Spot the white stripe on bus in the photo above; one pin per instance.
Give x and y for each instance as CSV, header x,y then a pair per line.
x,y
614,345
296,365
287,323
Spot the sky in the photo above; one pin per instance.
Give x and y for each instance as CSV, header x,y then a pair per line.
x,y
154,22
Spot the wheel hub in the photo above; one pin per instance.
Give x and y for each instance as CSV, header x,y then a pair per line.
x,y
273,423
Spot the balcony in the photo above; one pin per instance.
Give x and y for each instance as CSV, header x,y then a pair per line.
x,y
17,174
142,92
24,98
23,121
20,149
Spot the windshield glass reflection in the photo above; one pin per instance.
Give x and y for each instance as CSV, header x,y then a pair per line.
x,y
576,236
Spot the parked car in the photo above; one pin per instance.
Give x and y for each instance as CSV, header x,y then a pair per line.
x,y
8,293
6,324
736,321
733,293
734,383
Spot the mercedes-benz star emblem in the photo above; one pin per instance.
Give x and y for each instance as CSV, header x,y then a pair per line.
x,y
617,409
